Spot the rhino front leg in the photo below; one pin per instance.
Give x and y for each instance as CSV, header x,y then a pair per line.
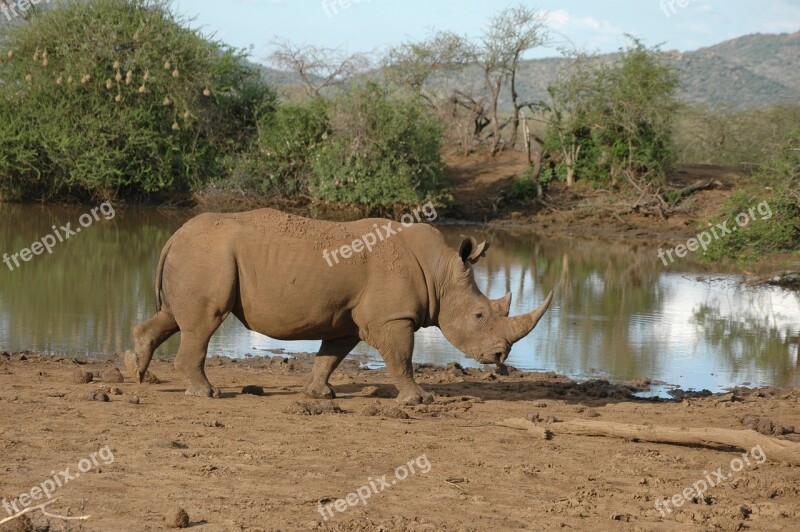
x,y
396,346
330,355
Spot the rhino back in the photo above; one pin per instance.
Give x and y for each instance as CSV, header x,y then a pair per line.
x,y
287,289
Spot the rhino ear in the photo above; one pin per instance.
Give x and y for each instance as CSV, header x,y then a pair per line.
x,y
470,250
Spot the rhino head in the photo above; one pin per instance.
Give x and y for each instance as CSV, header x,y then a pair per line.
x,y
477,326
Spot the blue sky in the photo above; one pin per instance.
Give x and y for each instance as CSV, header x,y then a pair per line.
x,y
367,25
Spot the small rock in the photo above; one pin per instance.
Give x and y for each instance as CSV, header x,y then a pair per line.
x,y
179,520
169,444
96,396
133,399
81,377
150,378
502,369
113,375
534,417
252,389
591,413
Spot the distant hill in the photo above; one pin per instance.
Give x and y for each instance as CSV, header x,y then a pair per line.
x,y
748,72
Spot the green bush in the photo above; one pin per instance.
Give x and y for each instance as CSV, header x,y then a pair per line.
x,y
278,162
612,119
117,98
360,147
382,150
778,185
524,187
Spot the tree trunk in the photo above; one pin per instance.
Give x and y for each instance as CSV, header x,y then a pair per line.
x,y
494,89
514,99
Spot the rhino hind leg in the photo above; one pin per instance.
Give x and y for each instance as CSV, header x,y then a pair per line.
x,y
330,355
191,361
148,335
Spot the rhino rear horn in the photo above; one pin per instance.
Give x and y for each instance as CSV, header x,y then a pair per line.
x,y
502,306
470,250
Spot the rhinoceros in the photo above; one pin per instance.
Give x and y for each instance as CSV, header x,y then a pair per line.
x,y
273,271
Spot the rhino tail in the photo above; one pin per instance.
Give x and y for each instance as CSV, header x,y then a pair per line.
x,y
160,274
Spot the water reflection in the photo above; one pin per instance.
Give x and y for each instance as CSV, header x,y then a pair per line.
x,y
616,312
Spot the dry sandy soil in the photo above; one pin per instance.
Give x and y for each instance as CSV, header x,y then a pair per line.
x,y
270,462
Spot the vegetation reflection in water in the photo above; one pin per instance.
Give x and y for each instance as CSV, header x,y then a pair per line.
x,y
616,312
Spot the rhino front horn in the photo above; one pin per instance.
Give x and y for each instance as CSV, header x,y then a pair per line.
x,y
522,325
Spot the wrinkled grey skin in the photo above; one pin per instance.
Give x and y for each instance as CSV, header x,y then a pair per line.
x,y
267,268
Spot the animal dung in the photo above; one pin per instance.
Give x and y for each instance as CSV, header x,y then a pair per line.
x,y
112,375
179,520
81,377
96,396
253,390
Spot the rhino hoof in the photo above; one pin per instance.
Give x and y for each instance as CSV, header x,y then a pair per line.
x,y
202,391
132,366
415,398
319,392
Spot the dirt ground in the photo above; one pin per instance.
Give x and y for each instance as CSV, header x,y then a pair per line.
x,y
276,461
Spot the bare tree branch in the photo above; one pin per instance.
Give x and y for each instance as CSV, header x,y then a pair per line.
x,y
317,67
43,509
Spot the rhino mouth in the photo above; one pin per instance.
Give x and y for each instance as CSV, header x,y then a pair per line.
x,y
497,356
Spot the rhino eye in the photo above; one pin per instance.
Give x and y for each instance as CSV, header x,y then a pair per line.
x,y
479,315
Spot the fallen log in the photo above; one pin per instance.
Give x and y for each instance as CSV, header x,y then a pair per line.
x,y
774,449
523,424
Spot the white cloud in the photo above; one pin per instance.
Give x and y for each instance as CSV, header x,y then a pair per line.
x,y
786,18
696,27
563,20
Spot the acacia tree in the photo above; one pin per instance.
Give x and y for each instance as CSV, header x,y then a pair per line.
x,y
412,64
509,34
318,68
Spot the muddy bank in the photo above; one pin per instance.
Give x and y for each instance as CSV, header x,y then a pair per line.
x,y
271,459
